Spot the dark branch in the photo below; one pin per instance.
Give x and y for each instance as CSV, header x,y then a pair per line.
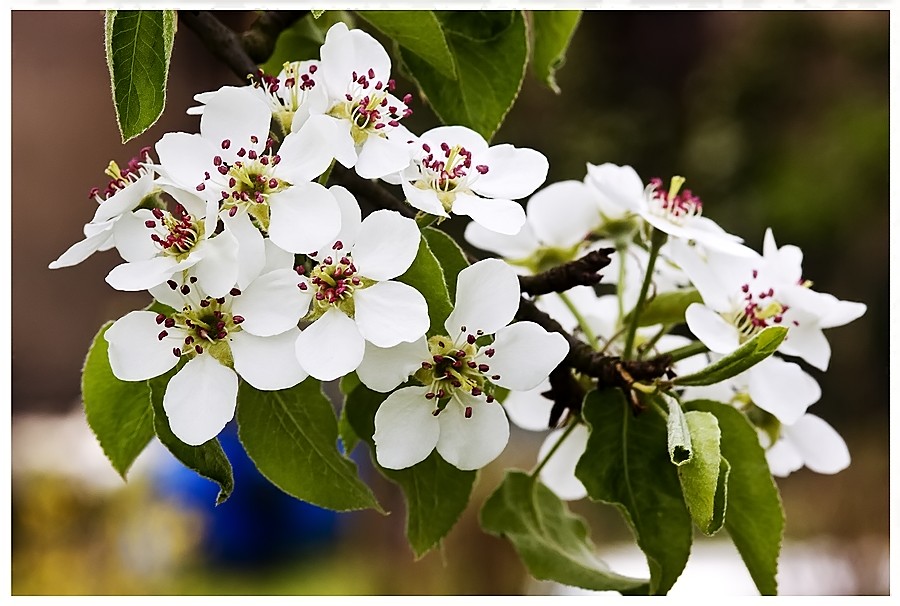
x,y
259,40
566,393
221,41
580,272
368,190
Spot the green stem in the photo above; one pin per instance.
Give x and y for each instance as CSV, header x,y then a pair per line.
x,y
424,219
656,241
687,351
556,446
621,251
323,178
646,347
582,322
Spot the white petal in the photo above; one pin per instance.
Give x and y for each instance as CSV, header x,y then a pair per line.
x,y
715,289
711,329
305,218
388,313
251,248
386,245
563,213
513,172
706,232
383,369
132,238
336,133
331,346
124,200
235,114
424,199
559,472
529,409
782,388
621,185
142,275
406,431
167,295
200,400
267,363
351,216
272,303
81,250
380,156
136,352
276,258
474,442
305,154
347,51
217,270
524,355
457,135
487,298
809,343
837,313
783,458
184,158
195,205
502,216
822,448
520,246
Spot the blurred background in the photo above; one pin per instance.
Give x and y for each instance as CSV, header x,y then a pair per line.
x,y
776,119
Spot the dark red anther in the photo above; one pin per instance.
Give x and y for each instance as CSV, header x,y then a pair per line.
x,y
226,144
407,98
489,352
169,323
232,211
162,335
481,168
495,377
476,391
201,187
427,366
483,367
470,339
237,319
273,183
429,395
490,398
172,284
223,170
217,161
149,223
302,286
241,152
251,155
160,318
438,358
234,292
472,364
198,349
157,213
469,409
176,351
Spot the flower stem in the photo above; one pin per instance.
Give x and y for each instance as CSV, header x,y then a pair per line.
x,y
645,348
621,251
582,322
556,446
656,241
323,178
687,351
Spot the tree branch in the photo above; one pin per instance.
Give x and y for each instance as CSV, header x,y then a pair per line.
x,y
378,196
259,40
221,41
580,272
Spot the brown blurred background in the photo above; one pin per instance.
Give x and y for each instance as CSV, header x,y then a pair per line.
x,y
776,119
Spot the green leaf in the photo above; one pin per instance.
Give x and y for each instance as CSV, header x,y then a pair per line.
x,y
449,255
666,308
316,14
426,276
700,476
755,519
419,32
208,459
138,50
436,492
552,542
680,447
749,354
721,501
626,464
346,432
118,412
490,65
552,32
291,435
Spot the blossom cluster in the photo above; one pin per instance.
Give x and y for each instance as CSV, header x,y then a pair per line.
x,y
263,274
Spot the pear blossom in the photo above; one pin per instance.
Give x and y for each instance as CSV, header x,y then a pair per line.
x,y
355,298
809,442
674,211
742,296
453,411
455,171
232,163
128,188
557,220
248,334
358,116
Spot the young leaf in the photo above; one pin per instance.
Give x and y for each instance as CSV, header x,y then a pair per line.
x,y
419,32
680,447
449,255
436,492
666,308
208,459
302,40
489,70
552,542
291,436
118,412
749,354
552,32
426,276
700,476
755,519
138,50
626,464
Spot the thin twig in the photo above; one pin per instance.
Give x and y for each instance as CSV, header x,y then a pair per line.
x,y
221,41
580,272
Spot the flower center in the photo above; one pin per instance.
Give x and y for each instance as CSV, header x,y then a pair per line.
x,y
675,205
205,323
368,106
120,178
285,97
176,233
334,280
247,183
760,309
